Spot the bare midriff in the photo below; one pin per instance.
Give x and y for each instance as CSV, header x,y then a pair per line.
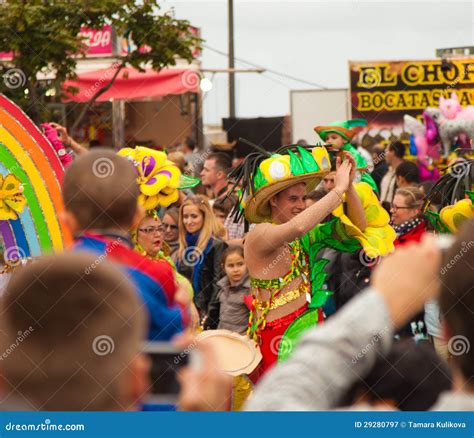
x,y
277,297
290,298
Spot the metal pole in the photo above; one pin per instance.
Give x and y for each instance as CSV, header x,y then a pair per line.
x,y
231,60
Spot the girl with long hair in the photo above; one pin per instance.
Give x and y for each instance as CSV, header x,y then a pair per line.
x,y
200,252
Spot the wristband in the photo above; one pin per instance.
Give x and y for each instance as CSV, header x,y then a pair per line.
x,y
339,195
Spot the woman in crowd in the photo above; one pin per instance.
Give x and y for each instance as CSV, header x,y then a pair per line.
x,y
149,240
407,220
410,225
170,231
200,253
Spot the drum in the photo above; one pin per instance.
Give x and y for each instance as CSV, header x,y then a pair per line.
x,y
236,354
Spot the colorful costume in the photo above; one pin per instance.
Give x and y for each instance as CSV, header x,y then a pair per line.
x,y
160,255
30,192
262,179
158,178
347,129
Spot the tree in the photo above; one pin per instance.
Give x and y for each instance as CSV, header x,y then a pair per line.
x,y
43,36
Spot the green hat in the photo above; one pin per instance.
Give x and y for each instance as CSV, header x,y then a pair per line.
x,y
346,128
264,176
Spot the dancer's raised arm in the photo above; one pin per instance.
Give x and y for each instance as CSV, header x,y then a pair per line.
x,y
266,238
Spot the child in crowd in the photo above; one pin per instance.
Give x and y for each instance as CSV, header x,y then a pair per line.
x,y
221,209
233,287
100,195
338,136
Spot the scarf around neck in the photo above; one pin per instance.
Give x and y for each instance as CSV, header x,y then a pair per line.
x,y
194,257
407,226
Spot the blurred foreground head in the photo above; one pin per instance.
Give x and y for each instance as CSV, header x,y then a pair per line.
x,y
71,328
457,301
410,377
100,191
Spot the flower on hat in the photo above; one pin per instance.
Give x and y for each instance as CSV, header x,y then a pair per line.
x,y
453,215
157,177
276,167
12,200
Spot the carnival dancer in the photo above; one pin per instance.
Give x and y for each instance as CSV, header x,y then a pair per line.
x,y
282,252
338,136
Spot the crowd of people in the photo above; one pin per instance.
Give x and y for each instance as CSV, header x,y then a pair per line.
x,y
377,325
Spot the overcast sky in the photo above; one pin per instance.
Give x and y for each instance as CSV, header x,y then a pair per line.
x,y
313,41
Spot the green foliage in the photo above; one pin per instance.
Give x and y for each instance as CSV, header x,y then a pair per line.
x,y
44,38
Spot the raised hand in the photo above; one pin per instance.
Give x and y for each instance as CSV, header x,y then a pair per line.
x,y
343,173
62,133
408,278
350,158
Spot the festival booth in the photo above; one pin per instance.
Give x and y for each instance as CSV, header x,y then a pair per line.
x,y
150,108
428,104
30,197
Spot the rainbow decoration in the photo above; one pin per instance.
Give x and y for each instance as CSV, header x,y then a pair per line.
x,y
27,154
